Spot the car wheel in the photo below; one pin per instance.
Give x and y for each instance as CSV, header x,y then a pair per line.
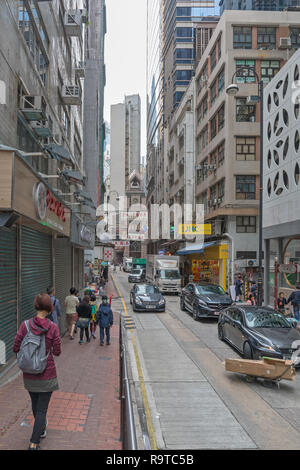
x,y
220,332
182,307
195,315
247,351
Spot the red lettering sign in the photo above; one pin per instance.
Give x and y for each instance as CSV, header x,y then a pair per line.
x,y
54,205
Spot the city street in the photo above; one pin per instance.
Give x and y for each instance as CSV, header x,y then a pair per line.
x,y
194,402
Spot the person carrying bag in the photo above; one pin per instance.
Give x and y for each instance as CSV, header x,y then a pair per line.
x,y
84,311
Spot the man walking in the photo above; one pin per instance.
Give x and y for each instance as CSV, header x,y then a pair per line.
x,y
105,320
294,298
56,313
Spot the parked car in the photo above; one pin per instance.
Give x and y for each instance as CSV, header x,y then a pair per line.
x,y
204,300
137,275
147,297
258,331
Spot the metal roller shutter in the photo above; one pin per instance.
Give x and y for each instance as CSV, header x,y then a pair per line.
x,y
8,292
76,268
36,268
63,273
81,269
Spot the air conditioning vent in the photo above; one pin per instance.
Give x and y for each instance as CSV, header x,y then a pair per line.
x,y
41,128
252,263
33,107
71,94
73,22
285,43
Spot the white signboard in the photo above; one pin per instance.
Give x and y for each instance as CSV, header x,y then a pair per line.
x,y
287,268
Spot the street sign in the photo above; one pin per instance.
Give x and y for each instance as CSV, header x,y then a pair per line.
x,y
287,268
108,254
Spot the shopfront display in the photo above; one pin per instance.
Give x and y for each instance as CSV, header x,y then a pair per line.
x,y
211,265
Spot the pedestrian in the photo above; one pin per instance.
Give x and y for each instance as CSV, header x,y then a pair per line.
x,y
105,320
93,323
105,273
294,298
41,386
251,300
57,313
71,303
84,311
281,303
254,289
238,288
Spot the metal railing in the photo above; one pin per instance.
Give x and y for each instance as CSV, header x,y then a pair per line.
x,y
128,434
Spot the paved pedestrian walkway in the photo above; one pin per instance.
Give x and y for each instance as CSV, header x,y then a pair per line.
x,y
85,412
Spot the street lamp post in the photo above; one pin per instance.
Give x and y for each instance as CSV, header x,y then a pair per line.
x,y
232,90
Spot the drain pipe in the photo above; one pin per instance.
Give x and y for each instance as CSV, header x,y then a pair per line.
x,y
232,255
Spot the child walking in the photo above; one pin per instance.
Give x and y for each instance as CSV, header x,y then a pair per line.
x,y
93,321
105,320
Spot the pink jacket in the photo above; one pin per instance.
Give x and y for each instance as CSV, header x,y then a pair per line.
x,y
53,344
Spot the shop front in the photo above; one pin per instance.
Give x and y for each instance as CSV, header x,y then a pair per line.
x,y
82,238
31,219
208,263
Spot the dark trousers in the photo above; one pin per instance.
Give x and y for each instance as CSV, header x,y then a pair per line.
x,y
296,312
86,333
107,332
40,402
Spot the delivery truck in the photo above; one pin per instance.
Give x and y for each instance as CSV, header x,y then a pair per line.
x,y
127,265
163,271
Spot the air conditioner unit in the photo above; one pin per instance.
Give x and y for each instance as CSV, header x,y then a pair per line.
x,y
41,128
252,263
215,202
80,69
33,107
285,43
73,22
71,94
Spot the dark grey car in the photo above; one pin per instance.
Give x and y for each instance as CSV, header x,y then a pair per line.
x,y
258,331
204,300
147,298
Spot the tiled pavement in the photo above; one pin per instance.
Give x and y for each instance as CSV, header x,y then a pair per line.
x,y
84,413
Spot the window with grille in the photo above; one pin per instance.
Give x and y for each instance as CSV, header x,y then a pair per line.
x,y
219,47
266,38
213,127
244,73
245,148
268,69
245,187
221,81
246,224
221,154
213,93
295,37
242,37
213,59
245,112
221,189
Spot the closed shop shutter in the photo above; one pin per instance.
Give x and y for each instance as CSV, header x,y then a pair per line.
x,y
36,268
81,269
63,273
76,268
8,292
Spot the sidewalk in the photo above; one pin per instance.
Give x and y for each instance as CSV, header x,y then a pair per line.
x,y
84,413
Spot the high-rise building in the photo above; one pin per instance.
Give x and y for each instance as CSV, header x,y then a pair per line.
x,y
268,5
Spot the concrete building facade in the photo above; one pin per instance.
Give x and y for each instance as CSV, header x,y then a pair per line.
x,y
227,128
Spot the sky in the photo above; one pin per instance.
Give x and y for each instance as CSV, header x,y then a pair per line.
x,y
125,56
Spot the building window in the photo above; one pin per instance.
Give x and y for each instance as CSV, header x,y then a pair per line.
x,y
177,97
213,192
221,154
242,37
246,224
213,93
221,118
245,187
245,148
246,75
295,37
205,105
202,80
268,69
213,127
246,255
219,47
221,81
213,59
184,56
221,189
266,38
245,112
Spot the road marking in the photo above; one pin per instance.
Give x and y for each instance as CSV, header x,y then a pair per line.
x,y
141,377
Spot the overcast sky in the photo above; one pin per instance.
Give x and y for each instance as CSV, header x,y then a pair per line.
x,y
125,55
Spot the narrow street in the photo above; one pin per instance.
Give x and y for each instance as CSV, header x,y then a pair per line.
x,y
194,403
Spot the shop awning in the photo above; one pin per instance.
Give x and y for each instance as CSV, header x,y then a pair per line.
x,y
85,198
58,152
73,176
189,250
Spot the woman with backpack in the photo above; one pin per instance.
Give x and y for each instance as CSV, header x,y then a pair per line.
x,y
40,385
84,311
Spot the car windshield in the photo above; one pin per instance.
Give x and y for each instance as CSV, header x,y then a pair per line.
x,y
265,319
169,274
141,290
209,290
136,271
